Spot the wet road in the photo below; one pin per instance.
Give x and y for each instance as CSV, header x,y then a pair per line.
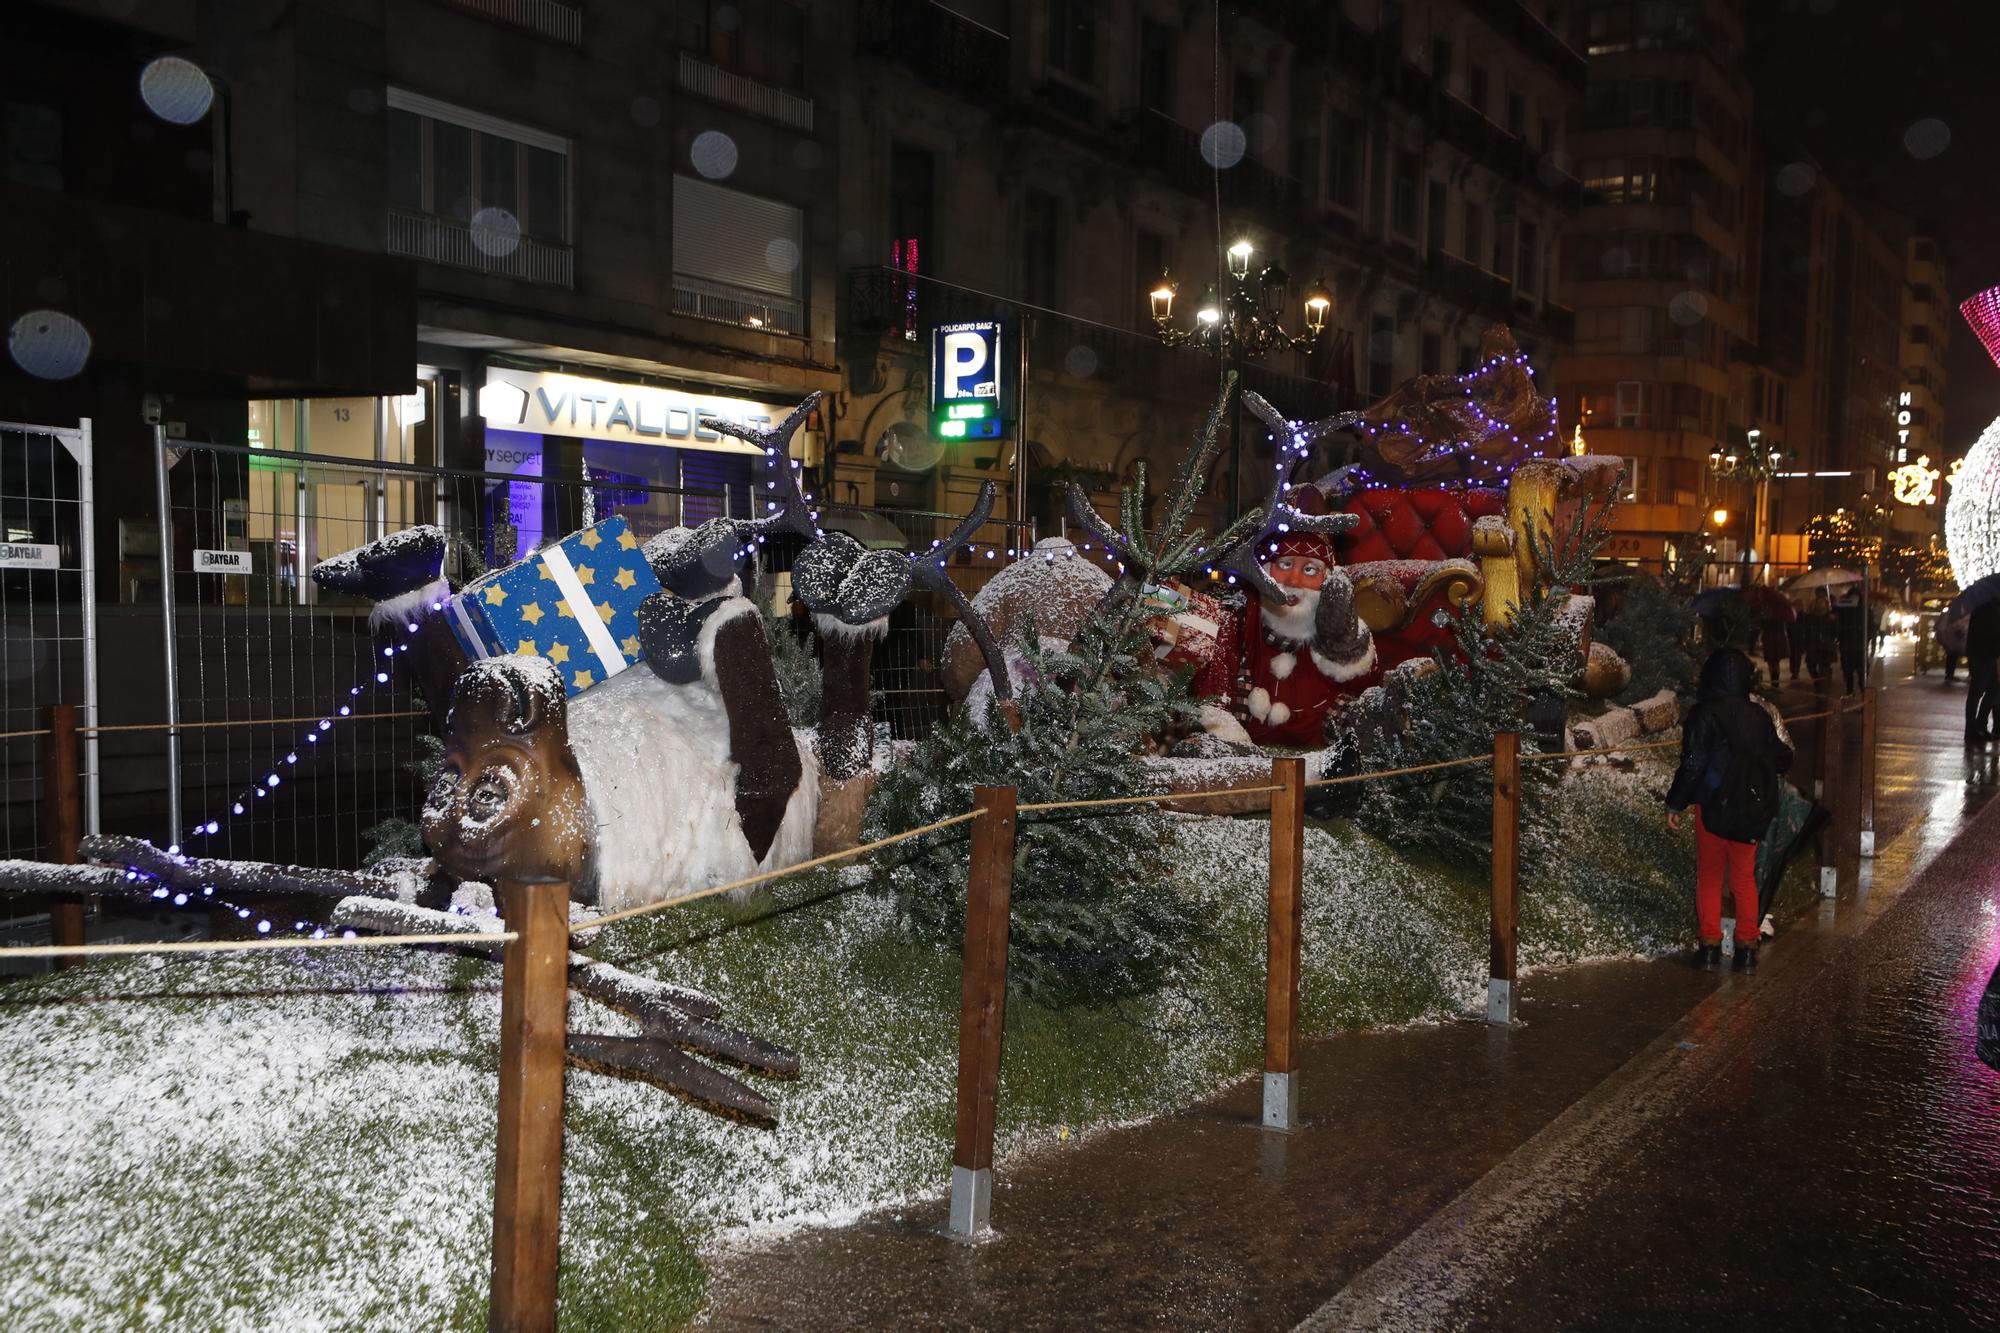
x,y
1651,1147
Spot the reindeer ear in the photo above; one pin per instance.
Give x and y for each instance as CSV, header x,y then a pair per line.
x,y
515,695
836,577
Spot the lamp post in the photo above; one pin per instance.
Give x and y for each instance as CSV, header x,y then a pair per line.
x,y
1241,325
1758,464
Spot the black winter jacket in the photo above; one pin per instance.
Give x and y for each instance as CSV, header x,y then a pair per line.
x,y
1730,751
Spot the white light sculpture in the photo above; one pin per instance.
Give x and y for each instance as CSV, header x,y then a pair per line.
x,y
1972,515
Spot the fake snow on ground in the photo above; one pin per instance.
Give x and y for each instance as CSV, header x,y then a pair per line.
x,y
305,1141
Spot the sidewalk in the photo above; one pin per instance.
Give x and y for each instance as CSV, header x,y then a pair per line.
x,y
1203,1220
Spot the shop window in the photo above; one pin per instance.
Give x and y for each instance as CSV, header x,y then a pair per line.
x,y
449,163
738,258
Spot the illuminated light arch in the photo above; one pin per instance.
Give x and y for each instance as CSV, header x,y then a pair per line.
x,y
1972,515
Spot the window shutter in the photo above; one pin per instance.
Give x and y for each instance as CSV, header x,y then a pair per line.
x,y
726,236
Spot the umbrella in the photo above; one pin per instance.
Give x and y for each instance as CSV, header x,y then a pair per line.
x,y
1972,598
1767,603
1824,578
1949,631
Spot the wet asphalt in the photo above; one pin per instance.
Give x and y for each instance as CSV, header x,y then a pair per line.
x,y
1650,1146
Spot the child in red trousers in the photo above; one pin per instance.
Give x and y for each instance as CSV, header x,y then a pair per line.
x,y
1731,756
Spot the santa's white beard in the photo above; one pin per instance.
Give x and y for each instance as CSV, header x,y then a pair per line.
x,y
1294,623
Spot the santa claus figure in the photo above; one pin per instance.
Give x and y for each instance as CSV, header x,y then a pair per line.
x,y
1296,653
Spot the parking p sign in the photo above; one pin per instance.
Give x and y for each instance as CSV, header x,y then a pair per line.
x,y
967,374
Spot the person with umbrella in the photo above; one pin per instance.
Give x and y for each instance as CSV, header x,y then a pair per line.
x,y
1731,756
1975,615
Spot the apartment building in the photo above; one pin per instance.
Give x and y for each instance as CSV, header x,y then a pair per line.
x,y
1922,445
1046,163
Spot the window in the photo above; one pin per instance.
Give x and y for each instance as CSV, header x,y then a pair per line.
x,y
1073,38
1922,292
1433,354
1246,100
1343,162
1475,232
765,39
737,257
1503,247
1468,358
1475,88
1041,250
1440,59
1546,132
34,145
1156,66
1528,271
1617,180
1631,408
1403,199
1381,355
1149,250
448,163
912,208
1919,333
1517,115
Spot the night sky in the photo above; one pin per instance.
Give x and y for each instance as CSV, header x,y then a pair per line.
x,y
1848,79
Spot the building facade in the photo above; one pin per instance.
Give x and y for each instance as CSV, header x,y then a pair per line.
x,y
1922,446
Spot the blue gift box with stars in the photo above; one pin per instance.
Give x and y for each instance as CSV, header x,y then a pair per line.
x,y
575,603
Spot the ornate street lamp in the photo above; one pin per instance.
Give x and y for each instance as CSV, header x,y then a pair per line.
x,y
1756,464
1241,325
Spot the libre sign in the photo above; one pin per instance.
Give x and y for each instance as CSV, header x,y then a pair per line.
x,y
967,370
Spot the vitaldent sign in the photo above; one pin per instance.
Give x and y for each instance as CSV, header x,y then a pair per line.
x,y
554,404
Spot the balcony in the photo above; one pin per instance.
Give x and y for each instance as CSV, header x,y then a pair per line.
x,y
728,304
745,93
938,46
1466,284
886,302
550,18
1174,151
456,245
1511,19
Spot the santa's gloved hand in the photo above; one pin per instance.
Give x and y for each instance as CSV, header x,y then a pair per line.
x,y
670,635
1342,646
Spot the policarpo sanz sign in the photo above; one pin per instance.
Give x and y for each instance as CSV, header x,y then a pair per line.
x,y
222,562
968,379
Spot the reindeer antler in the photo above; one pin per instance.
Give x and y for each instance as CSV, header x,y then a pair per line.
x,y
1239,549
928,568
791,511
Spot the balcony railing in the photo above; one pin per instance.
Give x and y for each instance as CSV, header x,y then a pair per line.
x,y
442,241
886,301
551,18
1172,149
741,91
727,304
938,46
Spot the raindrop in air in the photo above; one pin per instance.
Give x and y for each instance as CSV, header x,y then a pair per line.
x,y
1222,144
1927,138
1688,309
807,155
645,111
496,232
782,256
713,154
49,344
176,90
1795,178
1080,361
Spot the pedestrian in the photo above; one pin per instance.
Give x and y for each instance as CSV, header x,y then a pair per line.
x,y
1982,665
1815,628
1851,628
1777,647
1731,756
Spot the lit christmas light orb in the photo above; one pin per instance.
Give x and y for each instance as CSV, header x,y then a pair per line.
x,y
1972,515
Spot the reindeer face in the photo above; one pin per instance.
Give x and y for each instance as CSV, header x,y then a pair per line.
x,y
509,802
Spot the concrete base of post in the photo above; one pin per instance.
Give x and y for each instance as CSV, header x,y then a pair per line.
x,y
1281,1101
1868,842
1829,881
971,1202
1499,1000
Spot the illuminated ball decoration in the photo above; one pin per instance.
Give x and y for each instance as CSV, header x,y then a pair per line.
x,y
1972,514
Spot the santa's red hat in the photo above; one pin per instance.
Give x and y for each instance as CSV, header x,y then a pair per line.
x,y
1312,545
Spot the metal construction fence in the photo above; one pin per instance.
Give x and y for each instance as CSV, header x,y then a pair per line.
x,y
238,695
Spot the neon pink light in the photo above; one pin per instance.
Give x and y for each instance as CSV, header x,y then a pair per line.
x,y
1982,312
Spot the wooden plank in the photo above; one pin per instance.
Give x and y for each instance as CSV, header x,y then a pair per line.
x,y
1506,862
527,1176
659,1062
1281,967
983,997
62,818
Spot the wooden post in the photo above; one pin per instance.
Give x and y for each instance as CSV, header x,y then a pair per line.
x,y
527,1174
1869,703
1506,876
62,820
1281,967
1833,736
989,891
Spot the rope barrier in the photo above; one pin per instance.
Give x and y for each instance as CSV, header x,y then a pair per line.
x,y
16,735
1137,800
1400,772
251,946
646,909
1545,756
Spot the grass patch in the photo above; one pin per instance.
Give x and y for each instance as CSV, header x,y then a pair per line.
x,y
305,1141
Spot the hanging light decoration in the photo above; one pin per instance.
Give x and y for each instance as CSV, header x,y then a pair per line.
x,y
1972,514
